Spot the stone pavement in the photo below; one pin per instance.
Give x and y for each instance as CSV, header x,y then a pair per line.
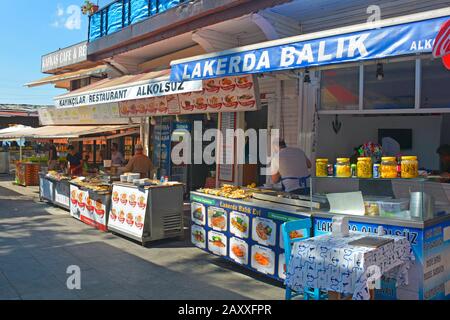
x,y
38,242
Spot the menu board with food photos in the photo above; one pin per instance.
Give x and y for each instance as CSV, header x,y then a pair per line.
x,y
95,210
128,210
228,94
89,207
245,233
76,201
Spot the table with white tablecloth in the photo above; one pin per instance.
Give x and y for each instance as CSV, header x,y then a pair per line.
x,y
330,263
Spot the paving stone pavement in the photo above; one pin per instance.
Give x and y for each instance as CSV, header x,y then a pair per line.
x,y
38,242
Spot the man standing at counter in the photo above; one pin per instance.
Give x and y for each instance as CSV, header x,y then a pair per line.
x,y
140,163
291,168
116,156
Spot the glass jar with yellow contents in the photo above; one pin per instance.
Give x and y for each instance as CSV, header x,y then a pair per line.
x,y
321,167
410,167
364,167
343,168
388,168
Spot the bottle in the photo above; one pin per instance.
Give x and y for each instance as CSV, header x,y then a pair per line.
x,y
376,170
155,177
353,169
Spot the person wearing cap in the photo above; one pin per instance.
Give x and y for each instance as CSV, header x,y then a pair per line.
x,y
291,167
139,163
444,156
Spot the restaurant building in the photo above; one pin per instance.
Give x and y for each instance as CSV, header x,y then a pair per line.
x,y
329,75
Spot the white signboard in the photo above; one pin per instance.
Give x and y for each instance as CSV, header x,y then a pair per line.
x,y
64,57
94,211
145,90
232,94
77,197
128,210
87,115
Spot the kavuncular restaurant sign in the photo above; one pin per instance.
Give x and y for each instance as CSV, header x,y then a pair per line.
x,y
147,90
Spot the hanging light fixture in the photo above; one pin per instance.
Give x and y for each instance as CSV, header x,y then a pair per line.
x,y
380,71
152,121
307,78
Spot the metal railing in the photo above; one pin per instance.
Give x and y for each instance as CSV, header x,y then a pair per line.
x,y
122,13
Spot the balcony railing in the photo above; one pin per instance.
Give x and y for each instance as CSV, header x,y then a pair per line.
x,y
122,13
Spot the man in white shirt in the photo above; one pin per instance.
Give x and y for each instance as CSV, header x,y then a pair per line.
x,y
291,167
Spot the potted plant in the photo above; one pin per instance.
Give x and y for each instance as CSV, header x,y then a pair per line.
x,y
89,8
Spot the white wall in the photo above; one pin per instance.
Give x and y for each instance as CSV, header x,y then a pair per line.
x,y
357,130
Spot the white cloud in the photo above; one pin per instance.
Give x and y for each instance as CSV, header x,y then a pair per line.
x,y
69,18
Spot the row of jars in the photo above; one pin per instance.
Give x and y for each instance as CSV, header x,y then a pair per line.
x,y
388,169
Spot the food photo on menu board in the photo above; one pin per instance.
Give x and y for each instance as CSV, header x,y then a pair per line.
x,y
217,243
217,219
239,223
295,234
282,266
263,259
264,231
198,214
239,250
198,236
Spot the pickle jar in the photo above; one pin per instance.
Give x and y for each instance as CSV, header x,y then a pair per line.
x,y
343,168
410,167
388,168
364,167
321,167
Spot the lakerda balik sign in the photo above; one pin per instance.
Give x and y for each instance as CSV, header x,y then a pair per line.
x,y
301,52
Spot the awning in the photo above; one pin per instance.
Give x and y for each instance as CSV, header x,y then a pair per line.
x,y
74,75
128,87
59,132
407,35
10,131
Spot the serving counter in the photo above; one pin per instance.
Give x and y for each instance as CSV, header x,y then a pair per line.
x,y
246,232
146,213
427,232
55,191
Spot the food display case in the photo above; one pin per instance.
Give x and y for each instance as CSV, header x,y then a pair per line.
x,y
232,224
147,213
90,201
238,225
418,209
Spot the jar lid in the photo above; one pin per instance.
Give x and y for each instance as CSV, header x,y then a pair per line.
x,y
388,159
364,159
343,159
321,160
409,158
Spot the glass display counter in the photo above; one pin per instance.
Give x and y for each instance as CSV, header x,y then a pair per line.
x,y
418,209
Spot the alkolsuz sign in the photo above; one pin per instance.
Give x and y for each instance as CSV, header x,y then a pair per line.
x,y
146,90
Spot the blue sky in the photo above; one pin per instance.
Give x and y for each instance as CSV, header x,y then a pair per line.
x,y
28,30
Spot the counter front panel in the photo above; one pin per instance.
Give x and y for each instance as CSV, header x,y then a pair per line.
x,y
242,232
429,276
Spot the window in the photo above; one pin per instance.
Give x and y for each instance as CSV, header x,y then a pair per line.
x,y
396,89
340,89
435,85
